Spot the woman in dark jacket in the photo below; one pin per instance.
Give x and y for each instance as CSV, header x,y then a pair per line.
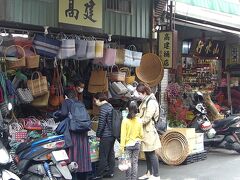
x,y
80,150
104,132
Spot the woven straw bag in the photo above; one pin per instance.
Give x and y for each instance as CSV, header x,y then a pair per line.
x,y
32,60
38,86
128,79
15,62
116,75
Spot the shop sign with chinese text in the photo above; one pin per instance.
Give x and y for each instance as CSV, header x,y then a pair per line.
x,y
82,12
168,48
209,48
234,52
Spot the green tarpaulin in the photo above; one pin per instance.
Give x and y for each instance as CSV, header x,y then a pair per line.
x,y
216,5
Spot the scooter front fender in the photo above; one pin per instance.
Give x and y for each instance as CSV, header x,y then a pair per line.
x,y
64,170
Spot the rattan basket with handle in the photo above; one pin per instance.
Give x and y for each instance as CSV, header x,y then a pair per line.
x,y
32,60
116,75
128,79
18,61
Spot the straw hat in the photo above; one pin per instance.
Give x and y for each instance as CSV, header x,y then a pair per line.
x,y
150,70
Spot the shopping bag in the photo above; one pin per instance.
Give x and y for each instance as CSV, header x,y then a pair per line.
x,y
91,49
124,162
99,48
81,48
46,46
98,81
38,86
67,49
132,58
120,54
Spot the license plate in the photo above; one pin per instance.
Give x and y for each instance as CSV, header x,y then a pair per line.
x,y
60,155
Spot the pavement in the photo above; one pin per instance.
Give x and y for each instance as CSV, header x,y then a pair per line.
x,y
219,165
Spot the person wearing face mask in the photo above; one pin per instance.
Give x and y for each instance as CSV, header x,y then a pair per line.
x,y
104,133
149,110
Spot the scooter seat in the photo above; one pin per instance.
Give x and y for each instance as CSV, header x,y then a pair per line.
x,y
26,146
224,122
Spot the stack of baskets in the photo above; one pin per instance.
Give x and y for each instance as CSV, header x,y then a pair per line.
x,y
150,70
175,148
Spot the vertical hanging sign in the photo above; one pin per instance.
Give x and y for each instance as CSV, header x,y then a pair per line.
x,y
234,54
84,13
168,48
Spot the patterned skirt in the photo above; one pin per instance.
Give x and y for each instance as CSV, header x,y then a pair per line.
x,y
80,152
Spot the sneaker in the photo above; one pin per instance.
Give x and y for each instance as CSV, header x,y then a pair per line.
x,y
154,177
145,176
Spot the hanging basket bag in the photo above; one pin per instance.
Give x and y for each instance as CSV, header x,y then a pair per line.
x,y
38,86
15,62
32,59
128,79
116,75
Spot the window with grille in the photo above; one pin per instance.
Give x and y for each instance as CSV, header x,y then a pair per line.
x,y
122,6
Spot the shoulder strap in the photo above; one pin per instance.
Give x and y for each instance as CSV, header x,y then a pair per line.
x,y
147,105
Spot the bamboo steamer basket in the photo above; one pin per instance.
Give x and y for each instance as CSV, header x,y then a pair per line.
x,y
150,70
174,149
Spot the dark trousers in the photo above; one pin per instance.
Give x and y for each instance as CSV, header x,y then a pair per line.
x,y
106,156
152,163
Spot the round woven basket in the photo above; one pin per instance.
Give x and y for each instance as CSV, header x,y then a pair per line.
x,y
174,148
150,70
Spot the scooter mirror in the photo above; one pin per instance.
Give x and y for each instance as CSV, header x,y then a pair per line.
x,y
10,106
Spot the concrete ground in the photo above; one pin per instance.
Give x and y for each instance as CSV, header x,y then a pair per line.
x,y
219,165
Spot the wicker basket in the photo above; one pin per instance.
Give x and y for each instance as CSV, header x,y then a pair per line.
x,y
15,62
128,79
150,70
116,75
39,86
32,61
174,148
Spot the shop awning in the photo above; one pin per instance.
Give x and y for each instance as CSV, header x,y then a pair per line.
x,y
206,26
220,12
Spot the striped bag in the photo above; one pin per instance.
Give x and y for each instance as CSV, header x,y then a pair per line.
x,y
46,46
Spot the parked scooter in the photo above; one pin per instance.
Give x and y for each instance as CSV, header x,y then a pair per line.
x,y
219,134
43,159
5,160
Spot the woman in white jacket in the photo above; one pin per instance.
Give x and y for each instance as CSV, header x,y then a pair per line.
x,y
149,110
